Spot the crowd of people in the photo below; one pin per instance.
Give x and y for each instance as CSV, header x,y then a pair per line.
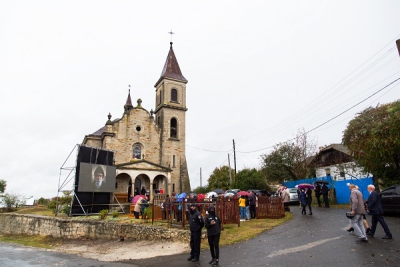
x,y
248,210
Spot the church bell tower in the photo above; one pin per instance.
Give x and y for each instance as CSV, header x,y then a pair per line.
x,y
170,116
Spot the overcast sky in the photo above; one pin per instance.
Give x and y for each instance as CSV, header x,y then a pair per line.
x,y
258,72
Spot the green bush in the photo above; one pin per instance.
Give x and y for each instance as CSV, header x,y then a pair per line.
x,y
103,214
115,214
147,213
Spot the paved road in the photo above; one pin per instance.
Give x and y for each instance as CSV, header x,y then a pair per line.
x,y
317,240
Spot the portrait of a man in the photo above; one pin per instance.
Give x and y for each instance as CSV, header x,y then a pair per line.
x,y
99,178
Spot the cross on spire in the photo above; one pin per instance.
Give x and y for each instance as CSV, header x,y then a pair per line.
x,y
171,32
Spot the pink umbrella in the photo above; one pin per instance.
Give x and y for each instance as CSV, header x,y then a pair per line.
x,y
135,198
305,185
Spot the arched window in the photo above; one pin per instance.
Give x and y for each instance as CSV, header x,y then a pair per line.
x,y
174,95
137,151
174,128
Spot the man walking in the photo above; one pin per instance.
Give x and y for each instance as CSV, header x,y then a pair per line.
x,y
317,191
376,210
358,210
325,192
196,224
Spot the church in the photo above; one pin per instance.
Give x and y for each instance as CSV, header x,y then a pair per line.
x,y
149,147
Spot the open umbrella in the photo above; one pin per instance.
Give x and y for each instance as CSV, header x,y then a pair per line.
x,y
135,198
243,193
306,185
229,194
219,191
180,197
211,194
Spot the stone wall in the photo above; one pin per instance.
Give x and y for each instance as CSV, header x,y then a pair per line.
x,y
72,228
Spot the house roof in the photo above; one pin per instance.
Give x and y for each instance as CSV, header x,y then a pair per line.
x,y
332,154
338,147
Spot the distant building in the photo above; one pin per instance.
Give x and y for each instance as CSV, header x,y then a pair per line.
x,y
150,146
335,161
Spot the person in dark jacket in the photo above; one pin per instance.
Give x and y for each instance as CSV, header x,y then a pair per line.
x,y
303,201
196,224
376,210
252,202
309,199
213,226
325,192
317,191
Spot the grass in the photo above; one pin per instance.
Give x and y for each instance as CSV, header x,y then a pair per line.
x,y
46,242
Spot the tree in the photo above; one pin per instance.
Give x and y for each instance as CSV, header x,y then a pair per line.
x,y
3,185
250,179
373,140
220,178
288,161
64,203
12,201
201,190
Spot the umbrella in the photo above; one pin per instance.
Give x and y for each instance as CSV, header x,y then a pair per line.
x,y
219,191
321,182
212,194
180,197
306,185
135,198
229,194
243,193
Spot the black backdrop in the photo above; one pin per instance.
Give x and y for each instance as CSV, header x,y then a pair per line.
x,y
92,202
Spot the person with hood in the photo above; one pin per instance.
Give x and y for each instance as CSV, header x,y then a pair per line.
x,y
196,224
213,226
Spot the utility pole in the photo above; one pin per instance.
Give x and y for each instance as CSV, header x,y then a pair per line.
x,y
234,159
398,45
201,184
230,175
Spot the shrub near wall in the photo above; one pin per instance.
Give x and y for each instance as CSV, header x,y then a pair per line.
x,y
88,229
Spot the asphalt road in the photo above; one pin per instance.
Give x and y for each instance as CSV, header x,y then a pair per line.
x,y
317,240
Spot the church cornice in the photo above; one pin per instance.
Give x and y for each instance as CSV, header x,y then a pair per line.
x,y
123,166
170,106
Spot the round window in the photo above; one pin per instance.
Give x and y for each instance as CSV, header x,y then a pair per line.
x,y
138,128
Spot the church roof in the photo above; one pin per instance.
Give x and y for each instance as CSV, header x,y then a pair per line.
x,y
171,68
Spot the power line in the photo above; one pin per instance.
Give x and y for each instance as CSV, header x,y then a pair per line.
x,y
331,118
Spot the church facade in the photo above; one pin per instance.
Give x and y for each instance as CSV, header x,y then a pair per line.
x,y
149,147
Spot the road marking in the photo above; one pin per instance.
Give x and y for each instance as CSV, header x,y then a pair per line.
x,y
301,248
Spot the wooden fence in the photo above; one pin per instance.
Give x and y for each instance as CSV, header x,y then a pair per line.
x,y
176,213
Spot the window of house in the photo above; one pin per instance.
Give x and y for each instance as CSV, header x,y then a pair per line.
x,y
173,161
174,128
137,151
174,95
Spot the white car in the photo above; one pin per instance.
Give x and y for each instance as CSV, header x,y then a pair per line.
x,y
294,197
